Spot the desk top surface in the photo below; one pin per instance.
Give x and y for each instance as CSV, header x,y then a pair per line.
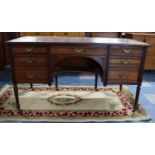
x,y
75,40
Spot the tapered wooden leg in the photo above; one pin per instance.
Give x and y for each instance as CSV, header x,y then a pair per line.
x,y
56,81
31,85
16,96
120,87
96,80
50,80
137,98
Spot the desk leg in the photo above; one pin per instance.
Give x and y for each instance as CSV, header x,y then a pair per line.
x,y
16,96
137,98
49,84
120,87
56,82
96,80
31,86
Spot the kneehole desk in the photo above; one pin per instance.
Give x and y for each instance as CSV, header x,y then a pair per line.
x,y
34,58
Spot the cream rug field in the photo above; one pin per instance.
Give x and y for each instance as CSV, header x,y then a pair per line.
x,y
69,104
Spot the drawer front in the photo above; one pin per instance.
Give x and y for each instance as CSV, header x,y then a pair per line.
x,y
32,75
124,77
124,61
126,52
30,60
28,50
78,50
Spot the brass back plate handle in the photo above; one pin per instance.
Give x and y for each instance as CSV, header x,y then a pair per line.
x,y
30,75
126,51
28,49
78,49
30,60
124,75
125,62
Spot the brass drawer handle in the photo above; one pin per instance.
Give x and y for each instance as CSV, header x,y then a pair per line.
x,y
78,49
30,61
126,51
31,75
124,75
28,49
125,62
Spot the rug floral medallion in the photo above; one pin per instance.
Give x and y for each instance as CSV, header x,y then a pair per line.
x,y
69,104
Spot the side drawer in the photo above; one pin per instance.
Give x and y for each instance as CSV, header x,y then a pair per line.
x,y
124,61
28,50
30,60
122,77
126,51
31,75
78,50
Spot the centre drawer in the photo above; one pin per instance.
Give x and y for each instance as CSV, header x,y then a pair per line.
x,y
31,75
30,60
126,51
78,50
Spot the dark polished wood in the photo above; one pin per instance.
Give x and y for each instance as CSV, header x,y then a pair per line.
x,y
119,61
4,54
16,96
141,70
120,87
7,36
15,87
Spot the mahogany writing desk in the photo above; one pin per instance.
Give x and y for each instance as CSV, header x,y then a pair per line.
x,y
34,59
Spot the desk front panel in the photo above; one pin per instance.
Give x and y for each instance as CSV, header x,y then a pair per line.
x,y
36,64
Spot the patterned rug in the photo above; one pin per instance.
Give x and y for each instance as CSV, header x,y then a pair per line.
x,y
69,104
